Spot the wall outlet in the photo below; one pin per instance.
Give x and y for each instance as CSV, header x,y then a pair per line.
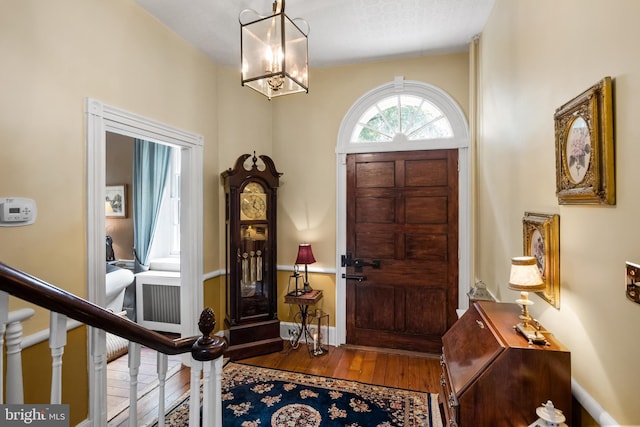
x,y
632,282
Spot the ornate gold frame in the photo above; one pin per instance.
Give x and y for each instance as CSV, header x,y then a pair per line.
x,y
585,170
541,239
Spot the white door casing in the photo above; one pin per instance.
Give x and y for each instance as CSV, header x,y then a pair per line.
x,y
100,119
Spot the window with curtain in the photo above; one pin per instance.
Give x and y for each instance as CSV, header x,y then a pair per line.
x,y
151,165
166,240
174,202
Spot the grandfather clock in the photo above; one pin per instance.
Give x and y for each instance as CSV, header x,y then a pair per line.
x,y
251,324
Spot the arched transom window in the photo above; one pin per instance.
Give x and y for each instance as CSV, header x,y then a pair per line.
x,y
407,117
403,115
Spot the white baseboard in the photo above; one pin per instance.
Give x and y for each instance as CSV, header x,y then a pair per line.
x,y
590,405
285,327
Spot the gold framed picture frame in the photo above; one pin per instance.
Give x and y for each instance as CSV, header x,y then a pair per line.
x,y
541,239
585,169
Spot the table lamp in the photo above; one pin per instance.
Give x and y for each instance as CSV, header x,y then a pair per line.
x,y
305,256
525,277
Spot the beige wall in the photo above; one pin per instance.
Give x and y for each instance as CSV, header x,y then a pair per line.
x,y
305,134
245,125
535,56
54,55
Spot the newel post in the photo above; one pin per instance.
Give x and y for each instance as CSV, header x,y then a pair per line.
x,y
207,351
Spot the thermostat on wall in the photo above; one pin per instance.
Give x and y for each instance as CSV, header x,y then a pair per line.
x,y
16,211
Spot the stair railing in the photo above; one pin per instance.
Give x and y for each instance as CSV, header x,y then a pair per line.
x,y
206,351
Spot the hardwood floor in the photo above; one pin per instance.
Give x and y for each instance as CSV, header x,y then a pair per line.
x,y
406,370
178,378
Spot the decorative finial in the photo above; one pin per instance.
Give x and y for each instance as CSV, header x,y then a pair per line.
x,y
206,324
206,347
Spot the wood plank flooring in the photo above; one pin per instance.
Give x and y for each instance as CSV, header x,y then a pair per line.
x,y
178,378
411,371
406,370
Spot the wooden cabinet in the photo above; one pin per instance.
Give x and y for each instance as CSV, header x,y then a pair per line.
x,y
491,375
251,324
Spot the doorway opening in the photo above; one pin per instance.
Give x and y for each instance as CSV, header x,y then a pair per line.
x,y
100,119
378,123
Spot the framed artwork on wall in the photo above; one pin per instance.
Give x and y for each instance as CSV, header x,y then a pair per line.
x,y
115,205
541,239
585,170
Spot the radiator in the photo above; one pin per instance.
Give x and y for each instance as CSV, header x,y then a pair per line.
x,y
158,300
159,303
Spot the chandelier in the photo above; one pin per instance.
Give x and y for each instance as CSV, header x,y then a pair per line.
x,y
274,52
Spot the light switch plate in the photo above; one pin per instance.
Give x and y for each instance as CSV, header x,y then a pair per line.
x,y
632,280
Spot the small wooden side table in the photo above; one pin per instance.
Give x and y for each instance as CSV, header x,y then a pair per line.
x,y
303,301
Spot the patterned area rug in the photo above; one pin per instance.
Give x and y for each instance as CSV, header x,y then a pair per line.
x,y
260,397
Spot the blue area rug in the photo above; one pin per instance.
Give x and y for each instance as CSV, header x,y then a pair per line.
x,y
261,397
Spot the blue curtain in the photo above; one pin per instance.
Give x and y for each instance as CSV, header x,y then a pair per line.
x,y
150,170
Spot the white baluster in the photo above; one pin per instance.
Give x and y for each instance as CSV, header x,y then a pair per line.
x,y
57,341
15,392
4,319
211,393
99,357
194,400
162,376
217,392
134,367
207,406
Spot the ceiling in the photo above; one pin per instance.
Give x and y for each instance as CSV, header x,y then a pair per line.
x,y
341,31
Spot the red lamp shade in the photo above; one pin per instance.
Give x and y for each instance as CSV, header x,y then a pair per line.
x,y
305,254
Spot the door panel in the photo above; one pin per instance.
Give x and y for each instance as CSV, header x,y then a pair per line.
x,y
375,245
426,210
379,174
426,321
369,313
426,247
402,209
426,173
375,210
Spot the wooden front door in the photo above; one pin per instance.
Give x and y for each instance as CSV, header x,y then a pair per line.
x,y
402,211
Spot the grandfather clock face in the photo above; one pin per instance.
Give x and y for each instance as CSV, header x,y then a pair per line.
x,y
253,202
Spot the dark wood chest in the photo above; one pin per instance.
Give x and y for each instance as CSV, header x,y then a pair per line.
x,y
491,375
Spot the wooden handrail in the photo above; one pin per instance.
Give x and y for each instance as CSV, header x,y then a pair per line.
x,y
43,294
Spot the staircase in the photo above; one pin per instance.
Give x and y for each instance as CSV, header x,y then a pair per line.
x,y
206,351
